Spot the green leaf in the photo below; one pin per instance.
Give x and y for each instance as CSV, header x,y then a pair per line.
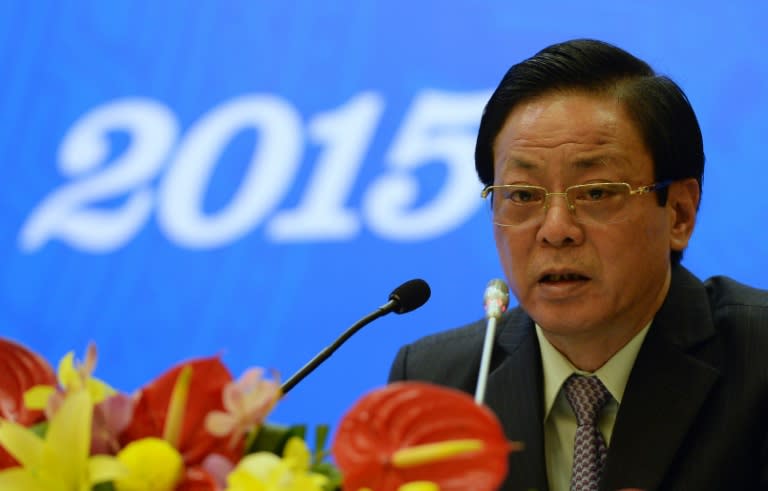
x,y
272,438
321,438
103,486
40,429
331,472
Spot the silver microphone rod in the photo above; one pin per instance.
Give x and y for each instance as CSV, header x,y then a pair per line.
x,y
495,301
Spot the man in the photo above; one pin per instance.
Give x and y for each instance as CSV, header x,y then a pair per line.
x,y
619,369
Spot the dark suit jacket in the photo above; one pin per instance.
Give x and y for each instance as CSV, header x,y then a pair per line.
x,y
695,410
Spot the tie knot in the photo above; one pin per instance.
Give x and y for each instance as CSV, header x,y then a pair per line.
x,y
587,396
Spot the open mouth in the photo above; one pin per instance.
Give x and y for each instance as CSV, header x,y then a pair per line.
x,y
562,278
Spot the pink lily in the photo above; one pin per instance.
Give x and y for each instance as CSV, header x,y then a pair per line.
x,y
247,402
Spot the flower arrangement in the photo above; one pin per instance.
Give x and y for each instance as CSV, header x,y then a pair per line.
x,y
196,428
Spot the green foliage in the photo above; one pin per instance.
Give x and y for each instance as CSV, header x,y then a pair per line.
x,y
319,462
272,438
104,486
331,472
40,429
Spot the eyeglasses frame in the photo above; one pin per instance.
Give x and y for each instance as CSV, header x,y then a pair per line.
x,y
648,188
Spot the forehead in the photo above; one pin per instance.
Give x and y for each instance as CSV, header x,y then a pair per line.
x,y
569,130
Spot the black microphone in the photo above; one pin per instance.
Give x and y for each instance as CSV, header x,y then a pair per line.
x,y
407,297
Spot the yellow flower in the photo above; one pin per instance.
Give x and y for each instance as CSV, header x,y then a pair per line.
x,y
152,463
413,486
73,376
60,461
419,486
155,464
264,471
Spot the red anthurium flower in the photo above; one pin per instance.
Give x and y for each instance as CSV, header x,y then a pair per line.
x,y
208,378
414,431
20,370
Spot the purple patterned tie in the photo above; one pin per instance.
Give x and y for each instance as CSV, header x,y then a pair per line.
x,y
587,396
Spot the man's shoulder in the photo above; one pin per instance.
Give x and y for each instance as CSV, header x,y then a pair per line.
x,y
446,358
725,292
472,332
739,313
451,357
465,338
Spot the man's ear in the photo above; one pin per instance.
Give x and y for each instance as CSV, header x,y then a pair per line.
x,y
683,202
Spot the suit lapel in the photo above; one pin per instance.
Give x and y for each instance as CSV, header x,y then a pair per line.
x,y
665,389
515,393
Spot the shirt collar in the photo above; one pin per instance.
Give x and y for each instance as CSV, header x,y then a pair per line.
x,y
614,373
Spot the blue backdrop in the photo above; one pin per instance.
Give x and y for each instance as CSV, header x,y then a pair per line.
x,y
249,178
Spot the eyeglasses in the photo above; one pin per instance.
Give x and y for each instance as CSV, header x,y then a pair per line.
x,y
598,202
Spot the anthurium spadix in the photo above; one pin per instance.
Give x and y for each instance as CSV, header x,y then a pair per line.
x,y
60,460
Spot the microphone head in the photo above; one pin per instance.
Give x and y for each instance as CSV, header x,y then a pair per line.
x,y
496,298
409,296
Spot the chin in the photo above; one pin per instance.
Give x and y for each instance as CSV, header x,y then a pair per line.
x,y
558,325
563,321
566,330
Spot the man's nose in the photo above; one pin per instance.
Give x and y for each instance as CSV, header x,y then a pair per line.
x,y
559,226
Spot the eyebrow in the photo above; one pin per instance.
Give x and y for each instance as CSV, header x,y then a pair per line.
x,y
581,164
521,164
592,162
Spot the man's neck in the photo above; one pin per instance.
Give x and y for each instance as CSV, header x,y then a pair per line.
x,y
589,354
591,349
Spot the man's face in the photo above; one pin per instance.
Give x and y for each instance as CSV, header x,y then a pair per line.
x,y
582,279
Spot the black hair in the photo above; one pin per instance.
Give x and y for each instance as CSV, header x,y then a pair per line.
x,y
658,107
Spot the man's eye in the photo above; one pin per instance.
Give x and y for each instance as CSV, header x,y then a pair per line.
x,y
595,194
520,196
